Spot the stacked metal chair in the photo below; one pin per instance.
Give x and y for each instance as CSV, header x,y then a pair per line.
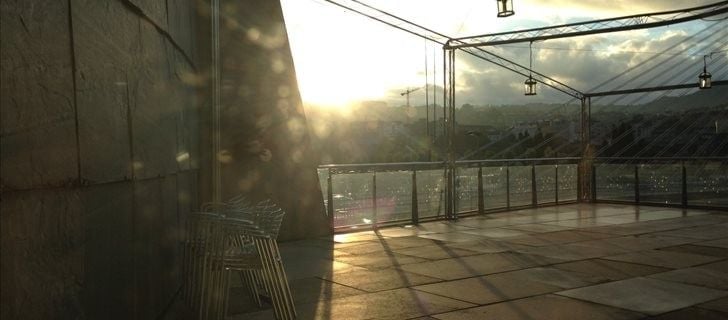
x,y
235,236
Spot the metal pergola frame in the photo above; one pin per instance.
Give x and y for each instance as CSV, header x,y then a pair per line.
x,y
474,45
633,22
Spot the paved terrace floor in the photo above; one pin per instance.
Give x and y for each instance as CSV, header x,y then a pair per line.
x,y
577,261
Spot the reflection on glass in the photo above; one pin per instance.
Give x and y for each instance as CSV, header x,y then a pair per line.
x,y
520,180
615,182
545,184
466,184
431,193
661,183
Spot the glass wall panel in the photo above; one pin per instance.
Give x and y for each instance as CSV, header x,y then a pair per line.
x,y
494,187
431,193
707,184
545,183
466,183
353,200
394,196
568,179
661,183
615,182
520,183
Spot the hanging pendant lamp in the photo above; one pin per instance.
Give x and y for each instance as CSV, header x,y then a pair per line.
x,y
505,8
704,78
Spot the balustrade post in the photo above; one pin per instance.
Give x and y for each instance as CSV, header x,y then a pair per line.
x,y
637,183
415,207
374,200
481,200
593,184
330,197
556,183
684,185
508,186
534,195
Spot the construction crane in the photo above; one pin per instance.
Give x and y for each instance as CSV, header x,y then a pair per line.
x,y
408,94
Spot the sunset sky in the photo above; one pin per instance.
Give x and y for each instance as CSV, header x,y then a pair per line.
x,y
342,58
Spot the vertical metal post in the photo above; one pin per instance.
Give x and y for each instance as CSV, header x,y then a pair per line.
x,y
374,200
637,183
593,184
415,207
481,197
449,110
534,195
216,92
587,157
579,184
330,197
684,185
508,186
556,183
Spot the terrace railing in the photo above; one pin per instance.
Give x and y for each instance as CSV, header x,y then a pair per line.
x,y
370,195
686,182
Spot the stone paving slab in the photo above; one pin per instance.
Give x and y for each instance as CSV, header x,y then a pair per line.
x,y
709,232
565,279
721,243
308,268
580,223
377,260
487,246
637,243
558,237
393,304
544,307
489,289
571,252
436,252
692,313
665,259
537,227
403,231
610,270
699,276
379,280
314,289
452,237
699,249
495,232
464,267
644,295
717,305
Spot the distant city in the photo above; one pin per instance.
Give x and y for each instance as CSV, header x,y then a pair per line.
x,y
694,125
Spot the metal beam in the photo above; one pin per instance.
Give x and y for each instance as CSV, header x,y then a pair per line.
x,y
652,89
641,21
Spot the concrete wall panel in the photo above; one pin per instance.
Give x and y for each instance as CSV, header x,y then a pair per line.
x,y
156,10
106,40
37,120
109,285
153,113
179,14
42,252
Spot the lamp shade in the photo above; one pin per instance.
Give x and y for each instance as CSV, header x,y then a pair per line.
x,y
505,8
530,87
704,80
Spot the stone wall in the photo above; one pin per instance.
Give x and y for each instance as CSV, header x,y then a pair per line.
x,y
106,146
100,161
